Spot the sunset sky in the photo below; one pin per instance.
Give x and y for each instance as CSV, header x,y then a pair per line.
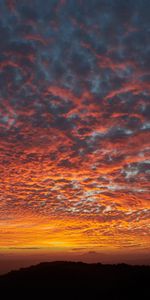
x,y
74,127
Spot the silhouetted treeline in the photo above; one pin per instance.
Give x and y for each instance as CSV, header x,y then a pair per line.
x,y
108,281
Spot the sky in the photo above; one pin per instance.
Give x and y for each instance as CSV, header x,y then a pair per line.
x,y
74,127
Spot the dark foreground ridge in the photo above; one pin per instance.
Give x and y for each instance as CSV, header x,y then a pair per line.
x,y
118,281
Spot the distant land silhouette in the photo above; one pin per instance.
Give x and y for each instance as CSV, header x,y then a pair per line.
x,y
115,281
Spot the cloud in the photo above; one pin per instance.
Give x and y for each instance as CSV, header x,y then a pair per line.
x,y
74,122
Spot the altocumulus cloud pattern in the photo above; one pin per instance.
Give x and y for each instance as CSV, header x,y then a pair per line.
x,y
74,124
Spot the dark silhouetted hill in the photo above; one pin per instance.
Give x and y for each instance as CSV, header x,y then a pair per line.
x,y
108,281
